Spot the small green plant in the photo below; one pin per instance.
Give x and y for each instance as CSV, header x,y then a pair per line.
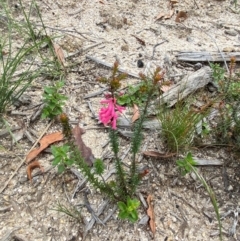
x,y
71,212
53,100
228,124
18,67
128,210
179,125
11,88
122,187
61,157
134,95
217,72
186,165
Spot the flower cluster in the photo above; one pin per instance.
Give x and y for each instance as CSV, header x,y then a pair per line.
x,y
110,113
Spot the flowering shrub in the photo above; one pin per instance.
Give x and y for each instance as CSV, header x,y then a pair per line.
x,y
110,113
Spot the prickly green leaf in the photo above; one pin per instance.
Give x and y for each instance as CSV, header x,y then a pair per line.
x,y
98,166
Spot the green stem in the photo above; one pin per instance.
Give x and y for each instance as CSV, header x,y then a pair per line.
x,y
212,197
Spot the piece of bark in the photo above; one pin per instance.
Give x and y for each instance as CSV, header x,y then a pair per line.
x,y
188,56
204,162
85,151
152,124
185,87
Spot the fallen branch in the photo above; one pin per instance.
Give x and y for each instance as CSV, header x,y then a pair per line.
x,y
188,85
188,56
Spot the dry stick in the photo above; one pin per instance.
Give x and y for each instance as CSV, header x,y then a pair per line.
x,y
224,60
23,160
81,51
196,4
156,45
184,200
110,214
98,61
99,92
65,30
89,208
90,224
91,109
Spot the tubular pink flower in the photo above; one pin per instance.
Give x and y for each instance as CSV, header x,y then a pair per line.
x,y
110,113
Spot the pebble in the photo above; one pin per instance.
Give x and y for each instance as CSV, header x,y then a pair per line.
x,y
140,63
230,188
230,32
189,39
125,48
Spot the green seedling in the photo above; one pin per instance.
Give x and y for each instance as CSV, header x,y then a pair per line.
x,y
61,157
53,100
134,95
218,72
129,210
72,212
179,125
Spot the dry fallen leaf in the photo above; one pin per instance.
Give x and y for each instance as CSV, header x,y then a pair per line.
x,y
168,16
159,154
85,151
59,53
160,16
143,173
181,16
31,167
165,88
172,2
150,213
166,85
136,113
44,143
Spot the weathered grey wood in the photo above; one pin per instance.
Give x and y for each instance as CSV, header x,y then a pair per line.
x,y
205,162
207,56
188,85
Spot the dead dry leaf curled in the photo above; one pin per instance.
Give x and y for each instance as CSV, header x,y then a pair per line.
x,y
181,16
85,151
150,213
44,143
59,53
31,167
136,113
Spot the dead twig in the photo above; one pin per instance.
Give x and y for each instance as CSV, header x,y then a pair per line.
x,y
89,208
98,61
224,60
99,92
190,205
92,221
81,51
156,45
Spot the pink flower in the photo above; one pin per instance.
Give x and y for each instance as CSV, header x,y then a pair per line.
x,y
109,114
